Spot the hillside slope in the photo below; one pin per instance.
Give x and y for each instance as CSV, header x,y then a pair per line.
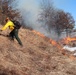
x,y
36,57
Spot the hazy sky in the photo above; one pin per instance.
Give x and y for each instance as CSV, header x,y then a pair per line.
x,y
31,7
66,5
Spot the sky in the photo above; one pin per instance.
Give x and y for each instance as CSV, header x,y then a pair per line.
x,y
33,6
31,9
67,6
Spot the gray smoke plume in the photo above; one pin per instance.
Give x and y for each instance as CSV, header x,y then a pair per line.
x,y
30,11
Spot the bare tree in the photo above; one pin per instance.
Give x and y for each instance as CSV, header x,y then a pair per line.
x,y
64,21
7,9
47,14
55,19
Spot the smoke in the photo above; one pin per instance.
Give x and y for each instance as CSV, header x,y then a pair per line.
x,y
30,11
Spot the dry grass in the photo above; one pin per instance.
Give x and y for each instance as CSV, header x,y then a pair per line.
x,y
36,57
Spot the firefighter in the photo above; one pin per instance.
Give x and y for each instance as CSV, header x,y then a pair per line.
x,y
14,31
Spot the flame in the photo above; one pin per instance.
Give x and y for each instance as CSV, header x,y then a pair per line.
x,y
56,44
38,33
69,39
53,42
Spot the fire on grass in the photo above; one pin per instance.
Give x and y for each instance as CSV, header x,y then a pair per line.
x,y
71,41
53,42
67,40
57,44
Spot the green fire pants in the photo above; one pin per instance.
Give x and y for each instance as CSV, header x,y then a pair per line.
x,y
14,34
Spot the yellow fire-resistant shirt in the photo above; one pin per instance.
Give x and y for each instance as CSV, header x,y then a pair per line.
x,y
9,24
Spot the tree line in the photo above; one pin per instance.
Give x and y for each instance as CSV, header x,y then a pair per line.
x,y
50,16
7,10
56,19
